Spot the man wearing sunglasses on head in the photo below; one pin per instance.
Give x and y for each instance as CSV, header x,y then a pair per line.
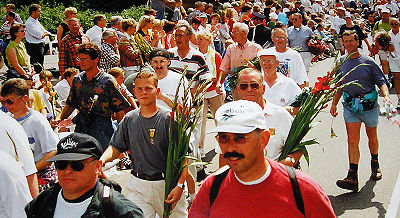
x,y
79,192
254,186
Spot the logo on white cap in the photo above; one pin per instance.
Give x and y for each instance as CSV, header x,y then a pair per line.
x,y
69,144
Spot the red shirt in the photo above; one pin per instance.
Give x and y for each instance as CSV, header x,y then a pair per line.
x,y
273,197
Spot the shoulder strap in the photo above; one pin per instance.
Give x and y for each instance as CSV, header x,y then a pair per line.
x,y
106,201
296,190
219,178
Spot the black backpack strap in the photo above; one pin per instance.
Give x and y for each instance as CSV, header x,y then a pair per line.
x,y
106,198
296,190
219,178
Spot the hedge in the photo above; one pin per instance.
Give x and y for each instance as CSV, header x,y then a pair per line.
x,y
52,16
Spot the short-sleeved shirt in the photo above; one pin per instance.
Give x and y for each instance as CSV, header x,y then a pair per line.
x,y
369,75
194,61
109,57
41,137
146,139
83,93
291,65
298,37
283,92
236,55
22,55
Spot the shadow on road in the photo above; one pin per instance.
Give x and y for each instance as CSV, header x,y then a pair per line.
x,y
357,200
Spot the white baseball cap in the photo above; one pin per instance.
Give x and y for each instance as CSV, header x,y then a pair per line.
x,y
240,116
266,52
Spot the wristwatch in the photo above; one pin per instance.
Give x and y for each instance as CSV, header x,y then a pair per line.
x,y
180,185
292,160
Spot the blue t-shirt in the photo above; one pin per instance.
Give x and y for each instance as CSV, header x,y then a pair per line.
x,y
368,76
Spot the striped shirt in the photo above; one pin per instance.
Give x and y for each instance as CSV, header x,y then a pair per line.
x,y
194,63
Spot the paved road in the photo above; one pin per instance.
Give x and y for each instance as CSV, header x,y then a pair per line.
x,y
328,161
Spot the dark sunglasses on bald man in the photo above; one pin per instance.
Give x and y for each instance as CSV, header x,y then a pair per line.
x,y
75,165
244,86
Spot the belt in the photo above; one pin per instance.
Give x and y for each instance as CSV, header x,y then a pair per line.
x,y
156,177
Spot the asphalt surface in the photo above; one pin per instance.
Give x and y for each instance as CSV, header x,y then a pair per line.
x,y
329,162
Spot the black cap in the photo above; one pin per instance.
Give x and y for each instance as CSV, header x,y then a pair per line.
x,y
159,52
77,146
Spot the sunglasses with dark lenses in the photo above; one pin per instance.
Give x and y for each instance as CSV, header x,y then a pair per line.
x,y
8,101
237,137
75,165
244,86
394,24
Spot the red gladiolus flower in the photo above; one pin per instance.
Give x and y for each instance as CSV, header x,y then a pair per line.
x,y
172,114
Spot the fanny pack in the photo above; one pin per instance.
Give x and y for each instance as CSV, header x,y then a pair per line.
x,y
361,103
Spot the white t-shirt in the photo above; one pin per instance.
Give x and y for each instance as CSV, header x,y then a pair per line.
x,y
395,39
291,65
13,187
168,86
12,133
62,88
283,92
71,210
337,22
41,137
95,33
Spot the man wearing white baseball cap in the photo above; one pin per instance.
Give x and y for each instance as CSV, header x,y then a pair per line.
x,y
254,185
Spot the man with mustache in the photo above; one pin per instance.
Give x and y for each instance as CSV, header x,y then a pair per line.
x,y
254,186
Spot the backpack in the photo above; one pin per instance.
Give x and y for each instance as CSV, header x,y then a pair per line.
x,y
219,178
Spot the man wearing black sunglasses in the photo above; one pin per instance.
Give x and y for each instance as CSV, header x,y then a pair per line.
x,y
254,185
79,192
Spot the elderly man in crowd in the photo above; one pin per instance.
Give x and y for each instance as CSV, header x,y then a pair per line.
x,y
254,185
109,50
279,89
290,61
298,36
237,54
68,49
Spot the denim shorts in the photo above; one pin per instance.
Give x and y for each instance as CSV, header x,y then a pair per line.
x,y
370,118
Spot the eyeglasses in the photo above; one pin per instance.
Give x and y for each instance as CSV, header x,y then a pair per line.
x,y
394,24
83,59
244,86
75,165
9,101
237,137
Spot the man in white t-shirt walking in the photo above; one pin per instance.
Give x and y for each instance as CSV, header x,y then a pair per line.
x,y
290,61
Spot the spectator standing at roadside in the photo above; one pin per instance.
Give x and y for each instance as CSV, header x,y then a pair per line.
x,y
63,28
35,34
11,7
109,51
130,59
116,24
96,32
394,58
68,49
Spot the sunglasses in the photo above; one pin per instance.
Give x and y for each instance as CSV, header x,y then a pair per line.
x,y
237,137
75,165
8,101
394,24
244,86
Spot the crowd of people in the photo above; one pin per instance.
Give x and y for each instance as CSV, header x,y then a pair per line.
x,y
116,86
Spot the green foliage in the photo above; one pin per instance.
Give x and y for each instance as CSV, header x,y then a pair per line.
x,y
52,16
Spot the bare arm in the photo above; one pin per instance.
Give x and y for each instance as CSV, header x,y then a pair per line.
x,y
33,184
335,101
385,93
59,34
42,163
109,154
12,56
67,110
296,155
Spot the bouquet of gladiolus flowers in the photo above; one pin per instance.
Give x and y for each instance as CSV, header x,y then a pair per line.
x,y
49,89
144,47
184,118
316,45
391,113
313,100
